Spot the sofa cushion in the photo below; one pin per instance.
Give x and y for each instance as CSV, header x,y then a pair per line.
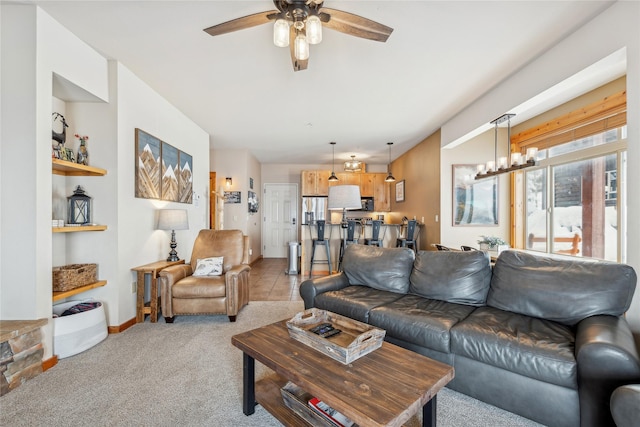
x,y
536,348
421,321
385,269
453,276
354,301
562,290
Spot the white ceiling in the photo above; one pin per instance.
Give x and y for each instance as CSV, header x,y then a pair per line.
x,y
241,89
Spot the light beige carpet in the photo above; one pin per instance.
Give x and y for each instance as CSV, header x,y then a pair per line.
x,y
181,374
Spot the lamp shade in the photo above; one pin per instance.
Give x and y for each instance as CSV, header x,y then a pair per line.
x,y
173,219
344,197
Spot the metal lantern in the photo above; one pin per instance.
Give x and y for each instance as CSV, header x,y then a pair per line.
x,y
79,208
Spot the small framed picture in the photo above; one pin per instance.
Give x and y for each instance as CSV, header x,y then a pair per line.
x,y
232,197
400,191
251,183
252,202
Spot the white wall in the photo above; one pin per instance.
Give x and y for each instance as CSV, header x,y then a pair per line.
x,y
138,106
34,47
614,29
240,165
478,150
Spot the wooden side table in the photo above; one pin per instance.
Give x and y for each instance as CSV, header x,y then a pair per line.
x,y
152,269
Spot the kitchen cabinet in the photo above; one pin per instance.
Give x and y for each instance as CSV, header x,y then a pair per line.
x,y
367,184
308,183
348,178
381,193
315,183
322,183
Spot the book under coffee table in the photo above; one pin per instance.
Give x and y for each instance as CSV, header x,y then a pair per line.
x,y
383,388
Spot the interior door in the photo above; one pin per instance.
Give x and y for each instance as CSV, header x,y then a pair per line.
x,y
280,219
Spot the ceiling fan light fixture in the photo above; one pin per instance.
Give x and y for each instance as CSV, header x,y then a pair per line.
x,y
314,29
301,47
281,33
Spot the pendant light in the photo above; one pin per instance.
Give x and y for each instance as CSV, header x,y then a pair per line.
x,y
333,177
389,177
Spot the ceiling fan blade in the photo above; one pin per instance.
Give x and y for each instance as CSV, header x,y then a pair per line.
x,y
298,65
355,25
242,23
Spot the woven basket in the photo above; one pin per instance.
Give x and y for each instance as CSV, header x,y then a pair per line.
x,y
73,276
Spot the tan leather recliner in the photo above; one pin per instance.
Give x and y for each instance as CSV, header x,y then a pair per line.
x,y
183,293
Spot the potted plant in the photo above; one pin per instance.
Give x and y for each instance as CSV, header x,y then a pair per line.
x,y
488,243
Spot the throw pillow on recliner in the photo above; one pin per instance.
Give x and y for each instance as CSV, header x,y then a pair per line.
x,y
209,267
385,269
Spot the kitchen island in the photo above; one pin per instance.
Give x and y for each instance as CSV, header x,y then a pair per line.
x,y
389,232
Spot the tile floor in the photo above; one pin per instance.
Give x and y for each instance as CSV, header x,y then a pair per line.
x,y
270,283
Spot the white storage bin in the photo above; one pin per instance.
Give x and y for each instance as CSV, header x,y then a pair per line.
x,y
78,332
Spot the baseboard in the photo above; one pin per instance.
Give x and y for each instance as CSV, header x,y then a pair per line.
x,y
255,260
121,328
49,363
53,360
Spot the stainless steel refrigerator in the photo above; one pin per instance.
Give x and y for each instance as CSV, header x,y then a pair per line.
x,y
314,209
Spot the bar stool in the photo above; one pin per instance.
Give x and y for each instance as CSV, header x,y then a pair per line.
x,y
375,239
320,241
350,239
409,239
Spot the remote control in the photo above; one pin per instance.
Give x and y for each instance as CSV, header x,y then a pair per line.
x,y
321,328
331,333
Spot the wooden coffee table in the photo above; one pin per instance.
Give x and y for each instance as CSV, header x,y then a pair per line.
x,y
383,388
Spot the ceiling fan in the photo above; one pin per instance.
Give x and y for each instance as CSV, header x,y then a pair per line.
x,y
298,23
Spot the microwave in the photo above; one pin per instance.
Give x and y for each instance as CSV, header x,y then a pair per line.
x,y
367,204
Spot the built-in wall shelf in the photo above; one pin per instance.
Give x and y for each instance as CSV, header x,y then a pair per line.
x,y
57,296
72,229
63,167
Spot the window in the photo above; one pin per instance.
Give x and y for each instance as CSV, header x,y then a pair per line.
x,y
574,200
570,208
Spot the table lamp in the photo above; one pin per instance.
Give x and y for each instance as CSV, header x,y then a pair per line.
x,y
173,219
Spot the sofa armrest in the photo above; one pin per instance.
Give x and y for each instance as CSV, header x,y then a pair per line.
x,y
237,280
311,288
168,277
625,405
607,358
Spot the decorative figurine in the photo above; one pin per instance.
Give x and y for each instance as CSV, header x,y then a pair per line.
x,y
83,153
59,151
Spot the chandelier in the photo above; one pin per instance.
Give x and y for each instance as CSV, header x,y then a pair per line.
x,y
513,161
353,165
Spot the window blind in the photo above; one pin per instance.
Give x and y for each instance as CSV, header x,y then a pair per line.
x,y
608,113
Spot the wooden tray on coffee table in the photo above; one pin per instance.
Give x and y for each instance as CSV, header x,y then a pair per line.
x,y
354,341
